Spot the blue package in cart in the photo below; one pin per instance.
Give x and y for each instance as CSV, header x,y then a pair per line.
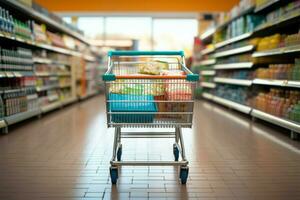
x,y
132,108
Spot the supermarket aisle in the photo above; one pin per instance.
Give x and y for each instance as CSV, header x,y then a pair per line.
x,y
65,155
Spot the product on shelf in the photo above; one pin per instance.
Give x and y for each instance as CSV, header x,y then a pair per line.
x,y
242,43
279,102
2,109
239,74
290,9
56,39
237,94
19,100
236,59
280,71
244,24
19,59
40,33
236,10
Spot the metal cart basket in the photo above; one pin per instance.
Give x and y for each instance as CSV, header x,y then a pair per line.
x,y
149,89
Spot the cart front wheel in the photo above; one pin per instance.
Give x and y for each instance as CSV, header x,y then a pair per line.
x,y
176,152
113,174
119,153
183,175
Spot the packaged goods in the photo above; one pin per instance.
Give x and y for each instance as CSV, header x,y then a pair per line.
x,y
134,103
153,68
279,102
237,94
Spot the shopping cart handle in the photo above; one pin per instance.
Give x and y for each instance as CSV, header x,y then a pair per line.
x,y
145,53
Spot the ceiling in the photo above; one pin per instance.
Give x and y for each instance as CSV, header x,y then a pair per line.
x,y
138,5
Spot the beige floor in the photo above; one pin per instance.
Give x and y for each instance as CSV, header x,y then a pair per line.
x,y
65,155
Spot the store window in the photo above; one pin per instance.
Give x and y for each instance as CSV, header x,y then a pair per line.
x,y
151,33
174,34
137,28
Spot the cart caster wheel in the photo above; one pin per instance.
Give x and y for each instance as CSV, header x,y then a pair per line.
x,y
183,174
176,152
113,174
119,153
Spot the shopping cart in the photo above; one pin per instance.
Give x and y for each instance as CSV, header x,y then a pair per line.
x,y
146,89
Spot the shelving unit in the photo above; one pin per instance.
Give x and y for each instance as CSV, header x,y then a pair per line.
x,y
236,57
281,83
233,81
22,116
279,51
238,50
208,73
233,40
233,105
208,62
207,85
293,126
207,51
49,67
243,65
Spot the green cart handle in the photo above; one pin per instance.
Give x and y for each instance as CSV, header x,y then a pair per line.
x,y
145,53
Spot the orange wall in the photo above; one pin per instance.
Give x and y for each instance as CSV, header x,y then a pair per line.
x,y
138,5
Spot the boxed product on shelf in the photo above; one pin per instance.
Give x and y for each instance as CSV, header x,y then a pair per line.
x,y
2,109
56,39
40,33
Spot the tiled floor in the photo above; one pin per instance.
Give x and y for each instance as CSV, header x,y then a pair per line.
x,y
65,155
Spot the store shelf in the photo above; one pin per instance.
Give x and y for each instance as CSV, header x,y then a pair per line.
x,y
280,83
2,123
89,58
208,62
45,19
43,46
265,6
233,105
42,60
207,35
276,120
207,96
278,23
233,40
207,85
234,65
48,87
13,74
51,107
65,86
278,51
21,116
245,12
69,101
207,51
208,73
233,81
234,51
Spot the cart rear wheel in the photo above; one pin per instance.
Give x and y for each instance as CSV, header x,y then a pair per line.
x,y
183,174
113,174
175,152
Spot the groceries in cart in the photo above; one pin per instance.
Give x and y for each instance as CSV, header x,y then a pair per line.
x,y
162,93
